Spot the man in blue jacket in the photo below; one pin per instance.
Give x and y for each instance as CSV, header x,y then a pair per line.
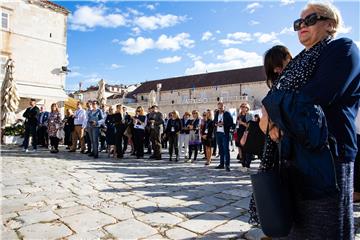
x,y
42,131
223,122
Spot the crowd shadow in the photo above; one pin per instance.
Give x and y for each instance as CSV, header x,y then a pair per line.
x,y
202,191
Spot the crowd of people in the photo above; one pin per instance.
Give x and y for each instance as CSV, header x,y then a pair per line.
x,y
308,121
105,129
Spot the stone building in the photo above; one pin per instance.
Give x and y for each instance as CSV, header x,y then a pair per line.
x,y
203,91
115,94
34,36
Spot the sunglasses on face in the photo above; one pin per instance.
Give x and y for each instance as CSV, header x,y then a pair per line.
x,y
309,20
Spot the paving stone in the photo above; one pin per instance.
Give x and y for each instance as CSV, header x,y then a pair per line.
x,y
238,192
198,205
45,231
242,203
119,212
167,201
64,212
180,233
160,218
232,229
36,217
203,223
8,235
255,234
214,201
230,211
96,234
87,221
156,237
131,229
143,206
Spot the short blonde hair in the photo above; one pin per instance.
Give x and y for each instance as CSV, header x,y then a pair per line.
x,y
328,10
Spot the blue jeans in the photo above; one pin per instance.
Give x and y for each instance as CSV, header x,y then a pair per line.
x,y
94,138
222,141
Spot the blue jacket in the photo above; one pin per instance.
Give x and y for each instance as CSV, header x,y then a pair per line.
x,y
305,143
335,86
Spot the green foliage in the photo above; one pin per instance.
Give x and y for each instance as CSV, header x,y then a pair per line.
x,y
15,130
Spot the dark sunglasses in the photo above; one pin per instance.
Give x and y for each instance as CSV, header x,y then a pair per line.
x,y
309,20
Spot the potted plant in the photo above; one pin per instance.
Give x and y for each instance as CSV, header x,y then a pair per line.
x,y
14,133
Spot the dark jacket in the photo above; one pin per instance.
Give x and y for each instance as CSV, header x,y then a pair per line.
x,y
31,115
185,131
45,117
305,142
227,119
335,86
173,126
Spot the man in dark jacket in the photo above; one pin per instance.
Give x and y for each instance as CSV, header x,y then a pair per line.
x,y
223,122
31,122
42,131
156,129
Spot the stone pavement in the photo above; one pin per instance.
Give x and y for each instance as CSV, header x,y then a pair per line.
x,y
72,196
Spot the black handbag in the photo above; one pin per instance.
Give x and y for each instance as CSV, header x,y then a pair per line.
x,y
272,199
255,139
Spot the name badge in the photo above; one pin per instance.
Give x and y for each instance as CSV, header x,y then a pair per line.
x,y
206,131
172,129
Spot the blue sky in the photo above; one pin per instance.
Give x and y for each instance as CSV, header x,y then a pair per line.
x,y
131,42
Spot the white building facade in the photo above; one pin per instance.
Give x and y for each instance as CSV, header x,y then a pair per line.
x,y
33,35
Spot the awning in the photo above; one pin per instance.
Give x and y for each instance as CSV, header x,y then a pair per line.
x,y
41,92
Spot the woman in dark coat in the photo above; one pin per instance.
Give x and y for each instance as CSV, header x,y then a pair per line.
x,y
110,131
172,132
207,136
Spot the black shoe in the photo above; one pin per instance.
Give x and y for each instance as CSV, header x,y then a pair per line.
x,y
90,154
96,156
228,169
87,152
158,158
120,156
238,157
170,159
83,152
152,157
72,150
219,167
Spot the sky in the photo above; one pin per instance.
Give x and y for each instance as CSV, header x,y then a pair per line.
x,y
128,42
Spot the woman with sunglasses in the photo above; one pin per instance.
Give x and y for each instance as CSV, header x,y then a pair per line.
x,y
326,76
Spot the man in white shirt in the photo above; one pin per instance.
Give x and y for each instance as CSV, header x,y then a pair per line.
x,y
80,121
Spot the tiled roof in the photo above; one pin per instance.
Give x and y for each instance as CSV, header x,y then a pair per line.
x,y
55,6
237,76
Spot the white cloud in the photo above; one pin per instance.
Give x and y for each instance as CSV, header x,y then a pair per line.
x,y
150,6
287,30
253,22
233,58
218,31
164,42
344,30
115,66
86,18
169,60
252,7
234,53
207,36
138,45
158,21
209,52
236,38
136,31
287,2
267,37
134,12
175,43
194,57
92,78
115,40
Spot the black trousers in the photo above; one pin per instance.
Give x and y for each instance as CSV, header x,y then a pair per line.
x,y
357,168
126,141
195,149
139,135
173,144
118,141
88,140
54,141
43,136
30,130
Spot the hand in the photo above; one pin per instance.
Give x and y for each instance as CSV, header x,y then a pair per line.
x,y
275,134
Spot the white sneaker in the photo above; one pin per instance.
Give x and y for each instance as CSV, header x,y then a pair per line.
x,y
244,169
25,150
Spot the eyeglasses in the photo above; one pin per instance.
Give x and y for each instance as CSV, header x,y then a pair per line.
x,y
309,20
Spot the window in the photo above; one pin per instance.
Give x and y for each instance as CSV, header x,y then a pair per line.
x,y
5,21
3,60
